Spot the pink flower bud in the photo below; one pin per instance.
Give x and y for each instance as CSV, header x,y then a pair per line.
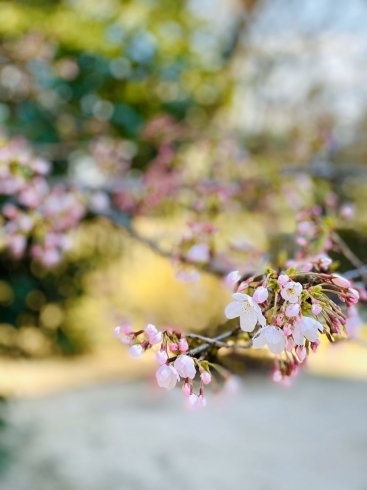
x,y
161,357
232,278
287,330
260,295
301,352
136,350
242,287
117,331
205,377
316,309
283,279
354,293
173,347
340,281
126,328
186,388
155,339
280,320
183,345
150,330
314,345
292,310
290,344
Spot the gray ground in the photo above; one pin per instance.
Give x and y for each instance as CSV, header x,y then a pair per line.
x,y
133,437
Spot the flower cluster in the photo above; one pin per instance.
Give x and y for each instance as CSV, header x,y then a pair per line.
x,y
35,213
176,361
286,312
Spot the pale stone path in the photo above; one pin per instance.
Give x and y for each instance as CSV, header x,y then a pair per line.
x,y
131,436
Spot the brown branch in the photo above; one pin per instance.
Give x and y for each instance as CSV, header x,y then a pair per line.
x,y
216,341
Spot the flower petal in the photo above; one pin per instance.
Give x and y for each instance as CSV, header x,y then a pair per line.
x,y
259,341
298,335
311,334
233,310
248,321
277,348
242,297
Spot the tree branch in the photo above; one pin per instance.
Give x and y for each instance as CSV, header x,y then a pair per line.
x,y
350,255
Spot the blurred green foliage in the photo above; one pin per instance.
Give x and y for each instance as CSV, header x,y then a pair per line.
x,y
74,69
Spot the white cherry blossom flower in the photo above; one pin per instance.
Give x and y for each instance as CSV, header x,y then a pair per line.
x,y
306,328
185,366
248,311
291,291
271,336
167,377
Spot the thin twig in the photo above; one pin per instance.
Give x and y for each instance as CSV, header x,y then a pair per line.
x,y
350,255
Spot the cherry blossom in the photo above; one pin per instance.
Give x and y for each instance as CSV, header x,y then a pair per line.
x,y
249,312
183,345
291,291
153,335
161,357
307,328
271,336
185,366
167,377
